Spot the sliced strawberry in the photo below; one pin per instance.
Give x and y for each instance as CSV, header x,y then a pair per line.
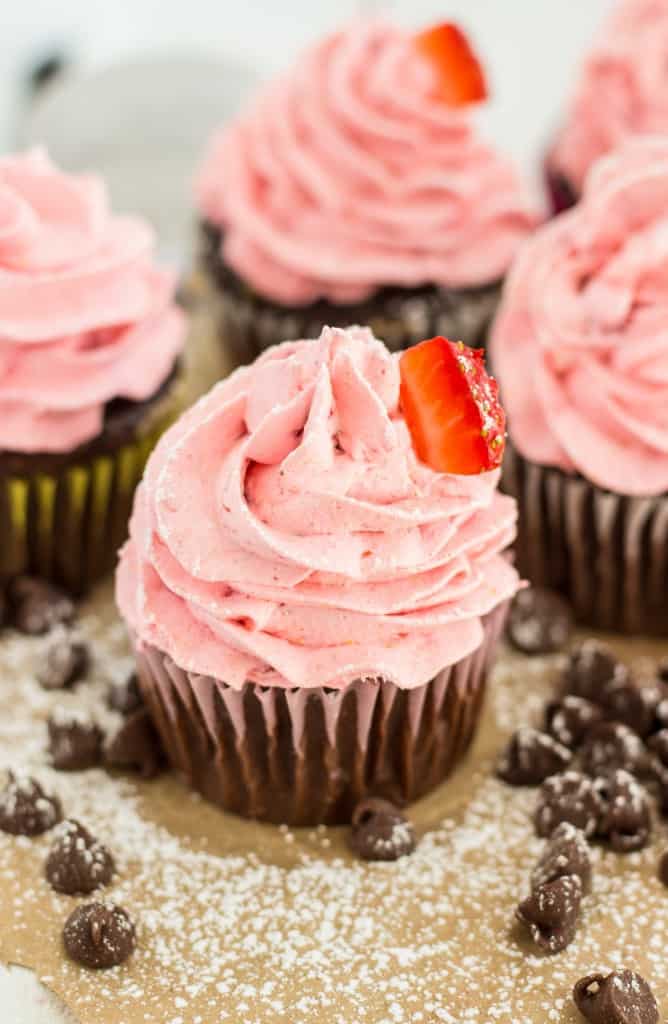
x,y
460,77
451,406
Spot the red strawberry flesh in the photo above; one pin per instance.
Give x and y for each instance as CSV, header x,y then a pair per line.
x,y
451,407
460,77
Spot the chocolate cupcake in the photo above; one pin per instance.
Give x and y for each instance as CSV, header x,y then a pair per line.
x,y
580,346
355,190
619,93
313,606
89,348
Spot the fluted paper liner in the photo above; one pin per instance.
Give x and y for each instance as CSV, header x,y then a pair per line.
x,y
67,526
306,756
606,553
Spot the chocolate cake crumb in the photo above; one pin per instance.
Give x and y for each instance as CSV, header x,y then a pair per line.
x,y
551,913
539,622
25,809
621,997
380,831
99,936
77,863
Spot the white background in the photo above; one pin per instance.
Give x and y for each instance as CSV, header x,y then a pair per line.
x,y
531,49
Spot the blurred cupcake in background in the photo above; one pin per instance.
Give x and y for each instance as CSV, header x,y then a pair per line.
x,y
355,189
621,90
580,347
315,579
90,341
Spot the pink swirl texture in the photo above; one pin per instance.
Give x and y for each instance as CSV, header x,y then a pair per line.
x,y
286,534
85,315
621,90
349,174
580,344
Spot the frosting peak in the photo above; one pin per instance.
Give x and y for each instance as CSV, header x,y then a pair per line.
x,y
580,345
322,550
350,174
621,90
85,315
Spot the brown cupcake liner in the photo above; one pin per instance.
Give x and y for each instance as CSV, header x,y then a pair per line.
x,y
306,757
606,553
247,324
64,518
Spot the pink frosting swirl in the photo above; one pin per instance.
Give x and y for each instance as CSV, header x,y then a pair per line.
x,y
348,175
286,534
622,89
580,345
85,316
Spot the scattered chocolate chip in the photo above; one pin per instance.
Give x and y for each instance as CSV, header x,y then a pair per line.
x,y
566,853
663,868
622,997
551,913
570,797
25,809
661,716
66,663
540,622
591,667
658,747
380,831
136,746
626,820
37,606
125,697
530,757
633,705
75,741
3,607
662,670
571,718
612,745
77,862
98,936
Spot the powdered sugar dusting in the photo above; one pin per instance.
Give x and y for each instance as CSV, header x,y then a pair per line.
x,y
238,921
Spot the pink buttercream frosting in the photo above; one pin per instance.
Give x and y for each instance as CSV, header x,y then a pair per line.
x,y
622,89
286,534
580,344
349,174
85,315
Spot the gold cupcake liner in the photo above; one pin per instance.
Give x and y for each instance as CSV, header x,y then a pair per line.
x,y
307,756
607,553
66,525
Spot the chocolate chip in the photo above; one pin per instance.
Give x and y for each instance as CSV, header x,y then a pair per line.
x,y
66,662
633,705
75,741
570,797
380,831
571,718
663,868
530,757
77,862
540,622
661,716
658,747
125,697
99,935
591,667
566,853
622,997
551,913
136,746
626,820
612,745
25,809
37,606
662,670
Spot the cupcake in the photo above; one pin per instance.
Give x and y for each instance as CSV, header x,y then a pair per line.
x,y
313,606
89,349
619,93
354,190
580,347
